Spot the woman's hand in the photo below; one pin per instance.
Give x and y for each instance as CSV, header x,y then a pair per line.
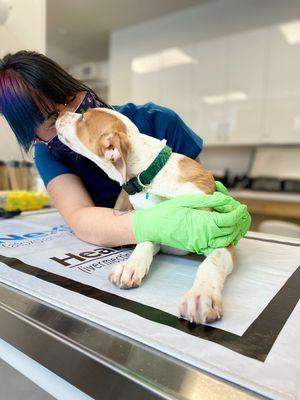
x,y
181,223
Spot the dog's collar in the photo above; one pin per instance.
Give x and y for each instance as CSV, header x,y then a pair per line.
x,y
144,178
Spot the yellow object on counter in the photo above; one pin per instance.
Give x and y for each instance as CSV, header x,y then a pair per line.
x,y
22,200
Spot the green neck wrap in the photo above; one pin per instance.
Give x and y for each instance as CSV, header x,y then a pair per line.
x,y
138,183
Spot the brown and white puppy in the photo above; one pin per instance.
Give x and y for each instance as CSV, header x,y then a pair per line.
x,y
114,143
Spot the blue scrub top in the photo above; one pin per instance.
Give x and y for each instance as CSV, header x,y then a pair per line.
x,y
151,119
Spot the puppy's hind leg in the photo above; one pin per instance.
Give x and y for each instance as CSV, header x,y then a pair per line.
x,y
203,302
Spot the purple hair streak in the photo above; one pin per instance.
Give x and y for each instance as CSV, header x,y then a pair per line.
x,y
31,87
18,104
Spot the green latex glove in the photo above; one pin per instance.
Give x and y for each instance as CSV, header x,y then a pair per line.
x,y
181,223
221,188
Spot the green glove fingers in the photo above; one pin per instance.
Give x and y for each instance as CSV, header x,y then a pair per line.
x,y
226,240
227,218
226,208
224,231
221,188
227,204
242,221
246,222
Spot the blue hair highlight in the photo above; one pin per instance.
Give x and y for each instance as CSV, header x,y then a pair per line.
x,y
19,108
31,87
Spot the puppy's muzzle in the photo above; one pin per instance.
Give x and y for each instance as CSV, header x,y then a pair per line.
x,y
64,119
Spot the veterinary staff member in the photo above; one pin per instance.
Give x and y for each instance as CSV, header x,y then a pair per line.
x,y
34,90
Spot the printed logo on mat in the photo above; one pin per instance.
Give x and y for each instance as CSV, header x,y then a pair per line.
x,y
25,239
89,261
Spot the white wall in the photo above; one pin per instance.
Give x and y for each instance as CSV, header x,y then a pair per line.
x,y
211,20
25,29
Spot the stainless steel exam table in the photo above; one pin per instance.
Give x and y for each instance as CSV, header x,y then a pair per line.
x,y
100,362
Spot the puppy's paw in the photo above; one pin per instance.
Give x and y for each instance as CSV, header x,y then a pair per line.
x,y
201,305
127,275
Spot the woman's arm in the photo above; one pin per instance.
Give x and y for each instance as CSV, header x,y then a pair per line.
x,y
192,229
97,225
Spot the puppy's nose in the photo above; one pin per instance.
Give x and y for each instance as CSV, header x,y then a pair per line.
x,y
57,123
61,113
60,123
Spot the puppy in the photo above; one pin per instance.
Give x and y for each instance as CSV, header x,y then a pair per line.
x,y
114,143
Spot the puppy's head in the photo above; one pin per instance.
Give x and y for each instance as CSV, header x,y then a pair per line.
x,y
100,135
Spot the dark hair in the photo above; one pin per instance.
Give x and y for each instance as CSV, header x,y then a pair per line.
x,y
30,86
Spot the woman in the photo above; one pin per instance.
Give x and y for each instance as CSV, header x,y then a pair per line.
x,y
34,90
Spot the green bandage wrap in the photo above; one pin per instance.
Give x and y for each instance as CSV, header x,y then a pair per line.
x,y
181,223
137,184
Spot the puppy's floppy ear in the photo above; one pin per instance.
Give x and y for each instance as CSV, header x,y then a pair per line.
x,y
115,148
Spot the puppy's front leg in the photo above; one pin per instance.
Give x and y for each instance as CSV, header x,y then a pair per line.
x,y
130,273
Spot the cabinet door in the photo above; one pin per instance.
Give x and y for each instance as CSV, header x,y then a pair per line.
x,y
144,79
210,81
176,81
282,121
245,98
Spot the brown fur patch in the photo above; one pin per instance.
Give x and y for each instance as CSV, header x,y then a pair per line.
x,y
116,139
96,125
193,172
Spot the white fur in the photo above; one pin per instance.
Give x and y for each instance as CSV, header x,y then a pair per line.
x,y
203,302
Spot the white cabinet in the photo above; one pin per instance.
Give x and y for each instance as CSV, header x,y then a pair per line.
x,y
246,80
144,81
165,77
176,81
209,83
242,89
282,119
144,87
229,88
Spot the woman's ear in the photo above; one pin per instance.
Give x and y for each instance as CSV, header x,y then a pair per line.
x,y
115,148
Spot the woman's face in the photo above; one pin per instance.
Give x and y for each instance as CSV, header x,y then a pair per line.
x,y
46,131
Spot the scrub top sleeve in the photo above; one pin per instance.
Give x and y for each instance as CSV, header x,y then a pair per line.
x,y
47,165
180,137
164,123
